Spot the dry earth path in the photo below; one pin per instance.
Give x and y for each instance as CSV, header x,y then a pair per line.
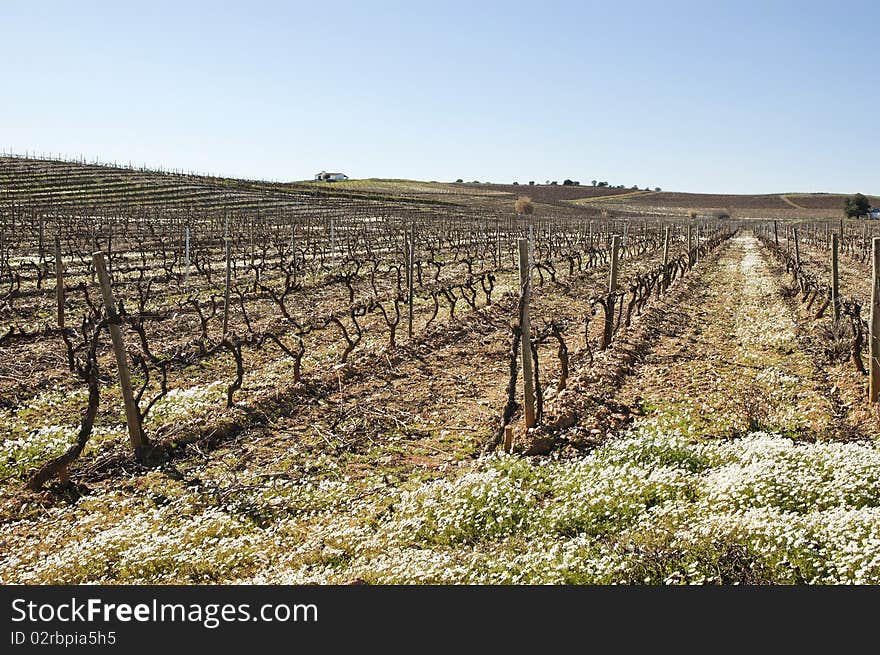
x,y
791,202
733,362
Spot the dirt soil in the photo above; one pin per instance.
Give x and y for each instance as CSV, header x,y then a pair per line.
x,y
739,358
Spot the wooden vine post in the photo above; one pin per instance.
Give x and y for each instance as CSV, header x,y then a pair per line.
x,y
409,278
664,280
608,330
526,337
59,282
874,325
41,248
775,234
690,260
186,278
226,291
132,417
508,439
251,248
531,249
797,250
835,282
332,238
293,247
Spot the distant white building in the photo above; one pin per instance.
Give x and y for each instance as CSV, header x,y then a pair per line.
x,y
874,213
324,176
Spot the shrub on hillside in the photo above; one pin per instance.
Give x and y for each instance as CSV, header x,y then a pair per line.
x,y
856,205
524,205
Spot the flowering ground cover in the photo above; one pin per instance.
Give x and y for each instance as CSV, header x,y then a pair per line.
x,y
651,507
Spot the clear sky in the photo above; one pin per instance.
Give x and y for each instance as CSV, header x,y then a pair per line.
x,y
732,97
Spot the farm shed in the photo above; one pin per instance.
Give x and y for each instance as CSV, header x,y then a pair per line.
x,y
324,176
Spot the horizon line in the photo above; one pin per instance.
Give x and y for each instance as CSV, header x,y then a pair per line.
x,y
160,169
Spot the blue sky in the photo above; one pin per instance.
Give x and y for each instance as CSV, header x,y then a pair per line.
x,y
748,97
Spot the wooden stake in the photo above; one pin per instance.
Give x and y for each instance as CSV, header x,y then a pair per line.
x,y
835,290
775,234
252,241
531,249
797,249
132,417
332,238
508,439
664,281
186,282
526,338
874,339
690,259
608,329
226,292
612,278
59,282
409,279
41,247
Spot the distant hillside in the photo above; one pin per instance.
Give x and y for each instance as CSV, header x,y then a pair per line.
x,y
61,183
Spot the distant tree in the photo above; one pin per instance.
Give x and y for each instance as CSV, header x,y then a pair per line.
x,y
567,182
515,183
856,205
692,214
523,205
602,184
458,181
656,188
593,182
576,183
546,181
635,187
721,214
476,182
531,183
554,183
